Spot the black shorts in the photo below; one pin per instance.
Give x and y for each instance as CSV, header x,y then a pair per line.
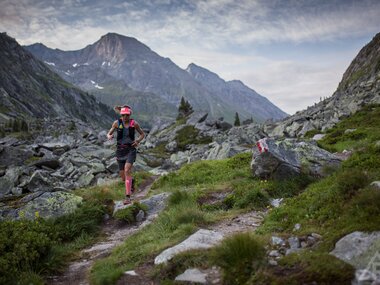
x,y
124,155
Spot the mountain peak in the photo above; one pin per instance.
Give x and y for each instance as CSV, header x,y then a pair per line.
x,y
200,72
117,48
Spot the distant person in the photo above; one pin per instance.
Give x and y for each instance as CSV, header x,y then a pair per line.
x,y
126,146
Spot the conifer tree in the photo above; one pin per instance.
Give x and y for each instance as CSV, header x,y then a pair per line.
x,y
184,109
237,120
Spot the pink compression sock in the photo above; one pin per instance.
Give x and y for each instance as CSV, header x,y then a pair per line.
x,y
128,185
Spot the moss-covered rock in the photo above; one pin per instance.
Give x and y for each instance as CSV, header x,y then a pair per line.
x,y
50,205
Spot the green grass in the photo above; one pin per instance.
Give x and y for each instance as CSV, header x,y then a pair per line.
x,y
366,122
206,173
239,256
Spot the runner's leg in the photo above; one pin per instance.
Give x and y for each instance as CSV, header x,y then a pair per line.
x,y
128,178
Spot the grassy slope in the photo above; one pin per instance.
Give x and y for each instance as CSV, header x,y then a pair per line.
x,y
333,207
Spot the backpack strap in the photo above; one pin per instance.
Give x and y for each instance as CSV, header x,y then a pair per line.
x,y
131,123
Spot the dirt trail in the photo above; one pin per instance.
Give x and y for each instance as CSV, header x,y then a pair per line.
x,y
246,222
77,271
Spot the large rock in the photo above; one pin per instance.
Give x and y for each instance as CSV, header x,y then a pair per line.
x,y
361,250
50,205
196,117
154,204
40,181
51,163
286,158
358,248
224,150
202,239
9,180
192,275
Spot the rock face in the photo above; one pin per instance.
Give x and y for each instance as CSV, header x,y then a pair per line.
x,y
360,86
118,69
30,89
283,159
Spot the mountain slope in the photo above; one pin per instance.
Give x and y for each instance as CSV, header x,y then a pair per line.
x,y
359,86
29,89
240,97
128,60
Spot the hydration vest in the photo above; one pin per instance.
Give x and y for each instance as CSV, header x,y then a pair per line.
x,y
120,131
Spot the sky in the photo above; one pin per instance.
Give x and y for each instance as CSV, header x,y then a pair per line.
x,y
294,52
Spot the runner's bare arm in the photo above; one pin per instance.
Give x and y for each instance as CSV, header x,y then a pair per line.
x,y
110,132
141,137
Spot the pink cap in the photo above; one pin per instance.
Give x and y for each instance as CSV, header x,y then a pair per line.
x,y
125,111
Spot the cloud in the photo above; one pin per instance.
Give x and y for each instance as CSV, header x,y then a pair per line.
x,y
220,35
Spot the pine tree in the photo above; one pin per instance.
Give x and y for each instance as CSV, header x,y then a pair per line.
x,y
24,126
237,120
184,109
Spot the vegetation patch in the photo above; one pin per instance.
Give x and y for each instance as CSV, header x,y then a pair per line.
x,y
190,135
129,214
239,256
37,246
305,268
365,125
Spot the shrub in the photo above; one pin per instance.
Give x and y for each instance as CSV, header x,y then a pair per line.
x,y
129,214
239,256
85,219
22,245
288,188
349,181
190,135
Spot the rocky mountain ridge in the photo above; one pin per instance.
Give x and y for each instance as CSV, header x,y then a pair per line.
x,y
234,93
359,86
28,89
116,61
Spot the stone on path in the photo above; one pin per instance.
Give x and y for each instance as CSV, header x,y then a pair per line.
x,y
192,275
202,239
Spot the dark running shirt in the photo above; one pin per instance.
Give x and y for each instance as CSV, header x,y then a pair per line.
x,y
125,135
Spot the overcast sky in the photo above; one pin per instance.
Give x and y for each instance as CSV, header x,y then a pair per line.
x,y
292,52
